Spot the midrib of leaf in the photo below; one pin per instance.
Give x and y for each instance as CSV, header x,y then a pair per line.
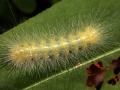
x,y
71,69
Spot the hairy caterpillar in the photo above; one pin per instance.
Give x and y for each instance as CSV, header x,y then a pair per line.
x,y
53,49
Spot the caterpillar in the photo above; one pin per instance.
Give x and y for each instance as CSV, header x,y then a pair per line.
x,y
53,50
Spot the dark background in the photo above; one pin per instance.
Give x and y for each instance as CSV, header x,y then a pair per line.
x,y
13,12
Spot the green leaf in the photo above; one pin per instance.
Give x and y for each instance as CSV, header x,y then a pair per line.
x,y
75,78
60,16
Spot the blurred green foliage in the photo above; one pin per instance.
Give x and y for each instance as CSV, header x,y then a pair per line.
x,y
13,12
